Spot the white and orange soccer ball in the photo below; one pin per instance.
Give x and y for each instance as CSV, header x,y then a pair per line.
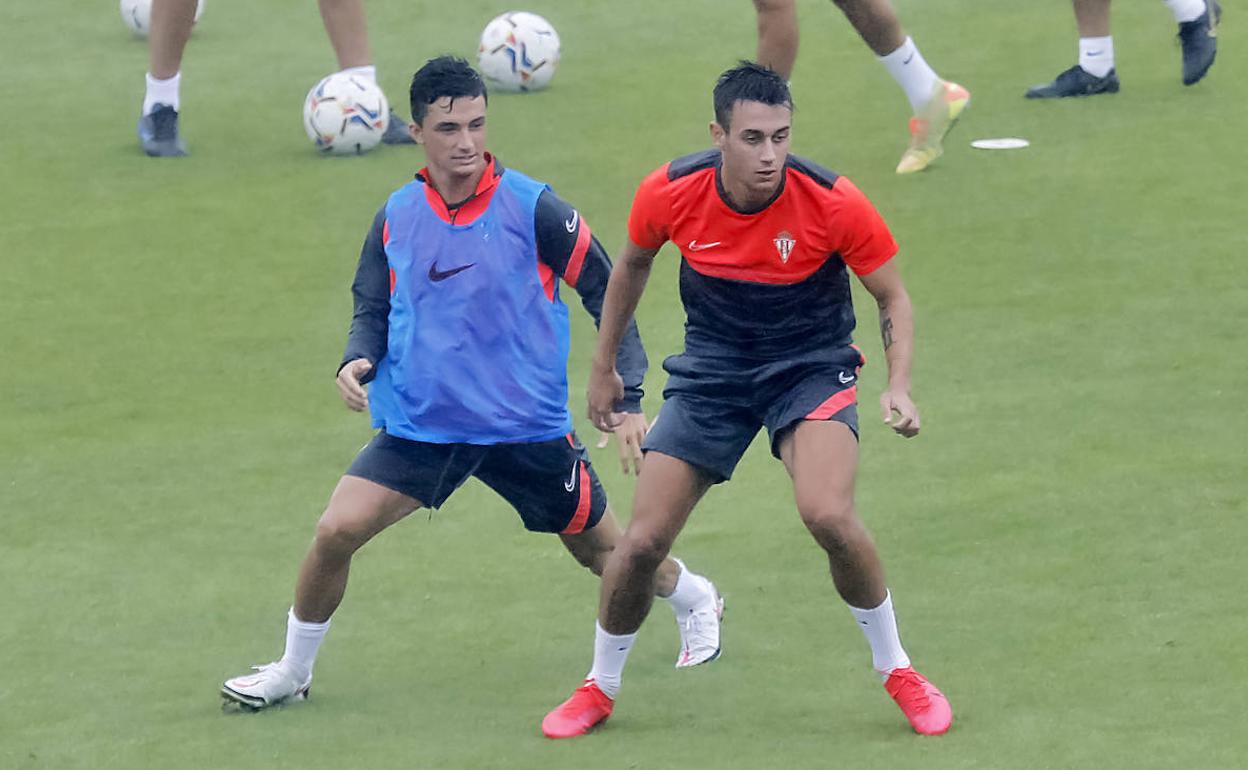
x,y
345,114
137,14
519,51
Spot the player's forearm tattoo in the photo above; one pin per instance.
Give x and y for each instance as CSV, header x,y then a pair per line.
x,y
886,329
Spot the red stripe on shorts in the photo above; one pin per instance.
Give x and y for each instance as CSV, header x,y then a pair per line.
x,y
577,525
839,401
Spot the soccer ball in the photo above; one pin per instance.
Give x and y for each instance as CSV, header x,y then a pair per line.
x,y
137,14
519,51
345,114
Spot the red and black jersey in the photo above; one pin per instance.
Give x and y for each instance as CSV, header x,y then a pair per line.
x,y
765,284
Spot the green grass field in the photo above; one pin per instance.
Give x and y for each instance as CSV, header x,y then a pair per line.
x,y
1063,541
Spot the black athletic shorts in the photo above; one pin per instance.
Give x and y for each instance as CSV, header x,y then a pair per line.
x,y
713,407
550,483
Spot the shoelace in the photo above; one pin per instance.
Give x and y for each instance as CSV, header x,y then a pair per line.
x,y
912,692
164,128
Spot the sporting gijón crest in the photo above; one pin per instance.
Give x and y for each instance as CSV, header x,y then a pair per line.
x,y
784,245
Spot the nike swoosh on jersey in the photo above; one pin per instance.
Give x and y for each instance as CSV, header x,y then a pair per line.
x,y
436,275
695,246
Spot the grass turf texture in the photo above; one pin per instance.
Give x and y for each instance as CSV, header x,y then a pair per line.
x,y
1062,540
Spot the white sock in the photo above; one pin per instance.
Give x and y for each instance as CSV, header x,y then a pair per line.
x,y
1185,10
1096,55
879,625
912,73
610,655
690,589
162,92
302,642
367,71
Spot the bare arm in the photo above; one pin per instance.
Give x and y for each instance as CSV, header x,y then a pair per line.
x,y
624,290
897,334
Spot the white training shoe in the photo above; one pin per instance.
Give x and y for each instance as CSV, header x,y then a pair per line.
x,y
270,685
699,628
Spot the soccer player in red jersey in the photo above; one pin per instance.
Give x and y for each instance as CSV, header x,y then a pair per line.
x,y
767,240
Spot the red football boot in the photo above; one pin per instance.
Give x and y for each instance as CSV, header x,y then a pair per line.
x,y
926,707
587,707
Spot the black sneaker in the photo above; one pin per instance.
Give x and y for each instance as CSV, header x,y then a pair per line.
x,y
1199,39
396,131
158,133
1075,81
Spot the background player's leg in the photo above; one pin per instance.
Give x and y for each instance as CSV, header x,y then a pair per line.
x,y
936,103
1094,73
876,22
347,27
1092,17
172,21
158,123
822,458
777,35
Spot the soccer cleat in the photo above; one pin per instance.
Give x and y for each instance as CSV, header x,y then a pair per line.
x,y
1075,81
1199,40
699,628
929,127
158,133
396,131
926,707
587,707
270,685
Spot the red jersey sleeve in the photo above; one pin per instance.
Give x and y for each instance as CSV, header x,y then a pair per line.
x,y
649,221
863,239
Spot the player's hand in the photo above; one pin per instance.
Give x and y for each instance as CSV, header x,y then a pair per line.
x,y
899,412
630,430
605,389
349,387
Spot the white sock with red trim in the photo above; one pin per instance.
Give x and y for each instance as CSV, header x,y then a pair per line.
x,y
610,655
879,625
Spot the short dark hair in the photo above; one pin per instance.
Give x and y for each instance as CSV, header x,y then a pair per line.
x,y
444,76
749,82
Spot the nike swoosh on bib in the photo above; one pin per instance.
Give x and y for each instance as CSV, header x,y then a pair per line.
x,y
436,275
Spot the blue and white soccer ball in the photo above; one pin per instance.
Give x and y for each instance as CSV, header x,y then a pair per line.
x,y
137,14
519,51
345,114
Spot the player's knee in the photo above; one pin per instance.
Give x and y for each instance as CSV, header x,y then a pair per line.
x,y
594,561
338,534
828,518
645,551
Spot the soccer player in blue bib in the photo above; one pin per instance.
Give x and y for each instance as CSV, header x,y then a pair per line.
x,y
461,336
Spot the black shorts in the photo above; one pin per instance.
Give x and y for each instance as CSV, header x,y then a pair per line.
x,y
550,483
712,408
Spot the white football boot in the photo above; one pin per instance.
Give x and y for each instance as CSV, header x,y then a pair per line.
x,y
699,627
270,685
